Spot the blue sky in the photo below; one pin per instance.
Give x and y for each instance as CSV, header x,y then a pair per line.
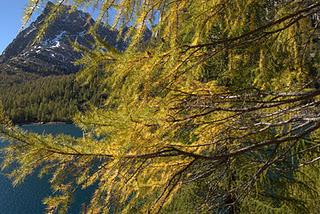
x,y
11,12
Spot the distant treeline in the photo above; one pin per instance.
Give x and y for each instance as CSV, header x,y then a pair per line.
x,y
48,99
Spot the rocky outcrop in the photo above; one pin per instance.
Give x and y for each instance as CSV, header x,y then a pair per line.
x,y
53,54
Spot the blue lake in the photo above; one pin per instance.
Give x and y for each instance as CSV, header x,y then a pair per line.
x,y
27,197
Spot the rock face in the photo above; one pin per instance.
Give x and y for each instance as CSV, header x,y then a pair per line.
x,y
53,54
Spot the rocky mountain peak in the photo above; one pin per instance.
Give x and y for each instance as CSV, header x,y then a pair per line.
x,y
53,54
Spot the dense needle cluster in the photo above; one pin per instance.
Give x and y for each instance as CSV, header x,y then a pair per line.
x,y
217,112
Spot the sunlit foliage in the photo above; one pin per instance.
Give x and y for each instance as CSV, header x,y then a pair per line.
x,y
217,112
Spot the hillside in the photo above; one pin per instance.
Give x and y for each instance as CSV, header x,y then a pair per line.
x,y
49,99
37,78
53,54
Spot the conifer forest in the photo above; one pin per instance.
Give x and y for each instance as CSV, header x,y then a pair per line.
x,y
218,111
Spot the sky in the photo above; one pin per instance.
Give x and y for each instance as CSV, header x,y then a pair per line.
x,y
11,12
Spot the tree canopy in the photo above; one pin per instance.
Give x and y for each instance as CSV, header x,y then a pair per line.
x,y
49,99
217,112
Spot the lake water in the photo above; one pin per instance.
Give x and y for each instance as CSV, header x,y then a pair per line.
x,y
27,197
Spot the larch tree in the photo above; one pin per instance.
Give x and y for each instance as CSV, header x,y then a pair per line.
x,y
217,112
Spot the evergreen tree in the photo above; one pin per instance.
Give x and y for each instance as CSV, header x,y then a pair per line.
x,y
217,112
49,99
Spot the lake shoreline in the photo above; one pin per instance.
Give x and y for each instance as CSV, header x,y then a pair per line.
x,y
43,123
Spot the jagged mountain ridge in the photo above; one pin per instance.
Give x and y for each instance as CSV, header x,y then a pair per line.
x,y
53,54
